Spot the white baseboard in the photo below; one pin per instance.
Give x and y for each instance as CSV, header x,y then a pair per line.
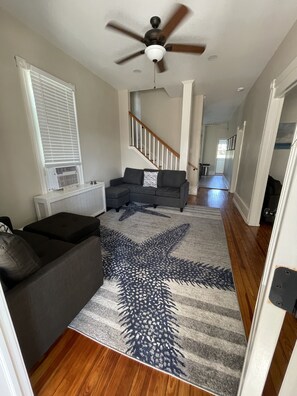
x,y
226,181
241,206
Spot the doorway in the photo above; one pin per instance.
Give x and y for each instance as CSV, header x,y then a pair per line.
x,y
270,319
221,156
214,157
280,156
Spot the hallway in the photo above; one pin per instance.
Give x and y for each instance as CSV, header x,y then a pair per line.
x,y
217,182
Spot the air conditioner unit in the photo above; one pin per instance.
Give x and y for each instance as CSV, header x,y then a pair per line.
x,y
61,177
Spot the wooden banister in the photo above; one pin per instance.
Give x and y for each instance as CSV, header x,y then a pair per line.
x,y
155,136
161,141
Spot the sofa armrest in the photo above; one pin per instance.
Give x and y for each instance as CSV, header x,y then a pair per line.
x,y
184,192
45,303
116,182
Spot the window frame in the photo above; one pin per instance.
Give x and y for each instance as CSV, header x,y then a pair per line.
x,y
24,69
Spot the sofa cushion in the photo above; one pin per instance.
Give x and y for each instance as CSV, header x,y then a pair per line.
x,y
133,176
17,259
6,220
172,192
5,228
116,191
172,178
134,189
150,179
34,240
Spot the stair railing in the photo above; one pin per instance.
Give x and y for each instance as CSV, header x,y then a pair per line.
x,y
158,152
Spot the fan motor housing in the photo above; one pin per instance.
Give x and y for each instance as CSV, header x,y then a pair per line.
x,y
154,36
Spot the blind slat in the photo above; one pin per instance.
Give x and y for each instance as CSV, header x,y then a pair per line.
x,y
55,109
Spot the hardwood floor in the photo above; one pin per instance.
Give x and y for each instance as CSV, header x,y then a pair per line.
x,y
216,182
76,365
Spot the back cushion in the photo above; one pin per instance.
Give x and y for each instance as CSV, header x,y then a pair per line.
x,y
133,176
17,259
171,178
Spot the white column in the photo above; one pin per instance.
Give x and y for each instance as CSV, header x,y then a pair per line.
x,y
185,124
194,143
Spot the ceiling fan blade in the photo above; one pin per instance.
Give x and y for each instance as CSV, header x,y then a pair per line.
x,y
178,15
129,57
161,65
119,28
194,49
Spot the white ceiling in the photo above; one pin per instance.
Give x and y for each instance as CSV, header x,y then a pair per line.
x,y
244,34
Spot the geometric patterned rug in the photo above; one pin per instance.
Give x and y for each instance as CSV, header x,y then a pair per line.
x,y
168,298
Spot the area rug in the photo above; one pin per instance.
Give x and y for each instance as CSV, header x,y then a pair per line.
x,y
168,298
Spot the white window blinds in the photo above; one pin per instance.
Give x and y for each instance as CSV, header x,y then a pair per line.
x,y
56,113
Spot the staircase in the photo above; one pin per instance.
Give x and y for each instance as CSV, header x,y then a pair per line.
x,y
158,152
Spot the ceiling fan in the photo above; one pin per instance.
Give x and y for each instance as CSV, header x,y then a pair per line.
x,y
155,39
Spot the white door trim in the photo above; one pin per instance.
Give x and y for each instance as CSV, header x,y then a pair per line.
x,y
265,155
237,157
268,319
289,384
14,380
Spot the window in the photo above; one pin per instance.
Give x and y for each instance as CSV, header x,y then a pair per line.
x,y
52,105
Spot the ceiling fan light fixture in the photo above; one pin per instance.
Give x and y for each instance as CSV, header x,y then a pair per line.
x,y
155,52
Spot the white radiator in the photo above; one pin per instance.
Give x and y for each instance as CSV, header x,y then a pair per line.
x,y
85,200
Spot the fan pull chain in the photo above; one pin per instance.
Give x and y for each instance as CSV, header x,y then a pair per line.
x,y
155,75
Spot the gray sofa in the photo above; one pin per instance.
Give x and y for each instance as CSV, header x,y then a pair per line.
x,y
172,187
44,298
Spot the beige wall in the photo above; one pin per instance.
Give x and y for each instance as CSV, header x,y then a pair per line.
x,y
280,157
162,115
254,112
97,110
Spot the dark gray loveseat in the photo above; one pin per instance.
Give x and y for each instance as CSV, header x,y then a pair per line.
x,y
45,301
172,187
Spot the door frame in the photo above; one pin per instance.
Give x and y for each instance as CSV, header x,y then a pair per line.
x,y
268,319
279,87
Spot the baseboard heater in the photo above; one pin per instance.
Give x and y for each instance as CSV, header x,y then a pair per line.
x,y
85,199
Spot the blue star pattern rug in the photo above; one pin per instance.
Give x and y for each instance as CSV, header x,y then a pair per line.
x,y
168,298
133,208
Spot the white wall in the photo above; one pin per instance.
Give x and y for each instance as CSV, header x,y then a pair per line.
x,y
195,142
254,112
212,135
97,110
280,156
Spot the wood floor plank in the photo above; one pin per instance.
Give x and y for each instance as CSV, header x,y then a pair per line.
x,y
158,384
52,359
121,379
141,381
78,354
86,368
